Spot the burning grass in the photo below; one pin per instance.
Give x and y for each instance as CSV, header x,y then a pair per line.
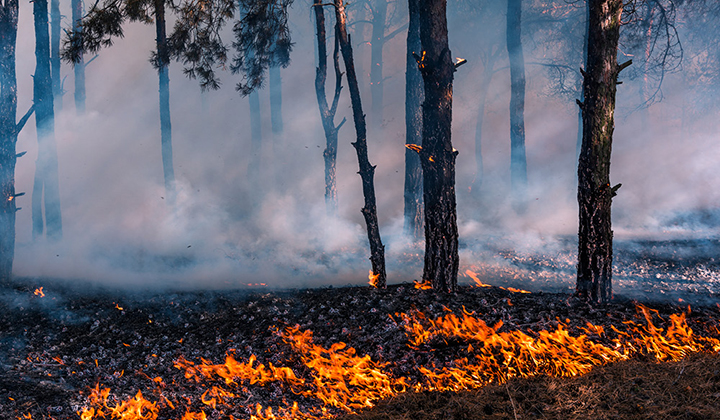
x,y
325,353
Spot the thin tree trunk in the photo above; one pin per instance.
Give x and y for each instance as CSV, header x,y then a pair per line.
x,y
594,276
165,124
8,135
437,154
487,76
367,171
55,53
518,161
582,83
79,69
377,43
46,171
414,96
255,138
327,114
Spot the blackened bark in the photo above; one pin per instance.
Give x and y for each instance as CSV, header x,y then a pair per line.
x,y
55,53
367,171
518,161
8,135
163,62
414,95
327,114
437,154
377,42
79,66
46,186
594,277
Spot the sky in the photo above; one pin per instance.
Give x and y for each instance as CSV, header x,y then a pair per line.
x,y
119,230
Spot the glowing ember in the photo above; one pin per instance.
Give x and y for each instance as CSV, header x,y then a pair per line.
x,y
426,285
373,279
39,292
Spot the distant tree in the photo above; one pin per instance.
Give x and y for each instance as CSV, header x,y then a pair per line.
x,y
367,171
9,130
55,19
414,95
327,113
594,270
79,65
437,154
46,190
518,159
98,28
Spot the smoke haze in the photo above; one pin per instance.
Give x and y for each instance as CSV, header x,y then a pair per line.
x,y
224,232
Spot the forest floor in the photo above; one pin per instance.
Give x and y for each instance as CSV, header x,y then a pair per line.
x,y
60,342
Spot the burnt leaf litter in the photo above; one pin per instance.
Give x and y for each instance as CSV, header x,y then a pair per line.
x,y
55,348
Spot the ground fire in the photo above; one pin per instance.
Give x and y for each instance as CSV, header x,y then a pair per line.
x,y
322,353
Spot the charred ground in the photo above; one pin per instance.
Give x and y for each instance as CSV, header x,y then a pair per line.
x,y
56,347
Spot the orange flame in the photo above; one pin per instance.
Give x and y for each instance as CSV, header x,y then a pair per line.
x,y
373,279
39,292
474,276
426,285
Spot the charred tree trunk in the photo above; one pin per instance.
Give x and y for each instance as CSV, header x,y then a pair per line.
x,y
379,11
437,154
367,171
8,135
46,186
165,124
327,114
518,161
414,95
79,69
594,191
55,53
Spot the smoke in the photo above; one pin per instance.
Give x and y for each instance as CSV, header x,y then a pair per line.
x,y
226,232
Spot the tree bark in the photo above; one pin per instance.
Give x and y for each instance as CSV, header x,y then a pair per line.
x,y
46,186
55,53
379,11
8,135
594,276
437,154
414,96
327,114
518,161
367,171
582,83
79,67
165,123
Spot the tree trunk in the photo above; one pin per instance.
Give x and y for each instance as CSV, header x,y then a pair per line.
x,y
367,171
518,161
594,192
377,43
414,95
8,135
487,76
276,119
327,114
582,83
437,154
165,124
46,187
255,138
79,69
55,53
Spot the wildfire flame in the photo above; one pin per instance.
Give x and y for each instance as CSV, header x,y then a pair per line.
x,y
39,292
426,285
373,279
336,377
